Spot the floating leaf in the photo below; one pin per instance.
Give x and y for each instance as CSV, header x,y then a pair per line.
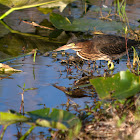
x,y
122,85
59,21
54,118
10,118
83,24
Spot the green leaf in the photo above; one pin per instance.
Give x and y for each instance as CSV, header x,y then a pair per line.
x,y
24,85
83,24
10,118
28,132
120,86
54,118
30,89
19,86
22,4
3,30
59,21
45,10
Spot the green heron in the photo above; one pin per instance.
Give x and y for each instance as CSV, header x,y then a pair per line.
x,y
101,47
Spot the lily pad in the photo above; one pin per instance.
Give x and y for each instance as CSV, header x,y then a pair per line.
x,y
83,24
54,118
120,86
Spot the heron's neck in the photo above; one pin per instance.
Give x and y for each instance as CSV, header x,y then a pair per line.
x,y
80,55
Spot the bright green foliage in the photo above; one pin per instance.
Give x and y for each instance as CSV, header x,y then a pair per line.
x,y
7,118
122,85
54,118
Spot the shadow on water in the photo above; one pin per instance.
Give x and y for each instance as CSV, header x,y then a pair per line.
x,y
17,38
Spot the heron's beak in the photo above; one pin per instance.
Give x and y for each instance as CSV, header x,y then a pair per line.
x,y
66,47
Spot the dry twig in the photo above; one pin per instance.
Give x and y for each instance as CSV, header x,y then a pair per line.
x,y
37,25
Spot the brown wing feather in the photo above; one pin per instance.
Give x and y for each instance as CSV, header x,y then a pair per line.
x,y
104,47
111,44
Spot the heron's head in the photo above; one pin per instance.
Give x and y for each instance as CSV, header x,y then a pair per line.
x,y
72,46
